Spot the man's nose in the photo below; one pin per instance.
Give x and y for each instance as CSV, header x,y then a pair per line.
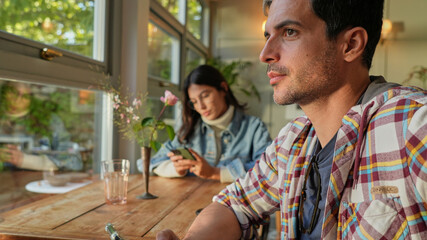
x,y
270,53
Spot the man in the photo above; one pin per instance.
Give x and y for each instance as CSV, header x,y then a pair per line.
x,y
355,166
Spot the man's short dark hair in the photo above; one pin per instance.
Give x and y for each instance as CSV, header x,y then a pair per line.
x,y
340,15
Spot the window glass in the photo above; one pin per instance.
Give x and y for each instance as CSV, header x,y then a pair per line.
x,y
193,60
64,24
163,54
195,18
175,7
40,120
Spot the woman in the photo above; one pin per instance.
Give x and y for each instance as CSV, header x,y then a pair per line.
x,y
24,118
224,141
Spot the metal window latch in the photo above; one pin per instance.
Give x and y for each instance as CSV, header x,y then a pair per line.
x,y
165,84
49,54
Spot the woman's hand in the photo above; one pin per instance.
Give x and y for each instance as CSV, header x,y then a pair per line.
x,y
202,168
12,154
199,167
181,165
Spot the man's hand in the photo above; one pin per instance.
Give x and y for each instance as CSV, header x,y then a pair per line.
x,y
11,153
214,222
166,234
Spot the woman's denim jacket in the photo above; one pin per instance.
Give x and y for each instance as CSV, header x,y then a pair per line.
x,y
243,142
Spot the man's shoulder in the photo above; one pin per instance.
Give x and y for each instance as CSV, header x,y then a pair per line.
x,y
396,107
402,97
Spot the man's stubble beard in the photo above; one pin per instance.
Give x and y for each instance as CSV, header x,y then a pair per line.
x,y
315,79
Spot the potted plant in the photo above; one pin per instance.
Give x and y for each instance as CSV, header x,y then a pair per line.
x,y
131,116
231,71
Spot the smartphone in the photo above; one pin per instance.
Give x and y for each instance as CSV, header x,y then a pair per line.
x,y
184,153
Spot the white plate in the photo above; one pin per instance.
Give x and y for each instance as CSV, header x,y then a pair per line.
x,y
43,186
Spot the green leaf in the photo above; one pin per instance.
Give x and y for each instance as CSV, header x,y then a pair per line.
x,y
255,91
160,125
154,133
170,131
155,145
136,127
148,121
246,92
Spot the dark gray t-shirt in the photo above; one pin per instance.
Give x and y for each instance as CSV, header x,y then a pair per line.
x,y
323,157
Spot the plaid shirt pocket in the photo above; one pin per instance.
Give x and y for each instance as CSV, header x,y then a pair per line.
x,y
377,219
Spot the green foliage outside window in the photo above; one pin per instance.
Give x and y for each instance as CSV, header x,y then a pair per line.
x,y
194,14
66,24
194,18
171,6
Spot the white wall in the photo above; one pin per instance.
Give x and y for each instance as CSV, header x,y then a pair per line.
x,y
395,59
396,56
239,36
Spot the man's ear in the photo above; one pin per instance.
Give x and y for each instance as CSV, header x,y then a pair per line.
x,y
355,40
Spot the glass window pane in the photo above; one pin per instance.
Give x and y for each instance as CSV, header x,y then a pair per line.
x,y
163,54
195,18
193,60
69,25
175,7
41,120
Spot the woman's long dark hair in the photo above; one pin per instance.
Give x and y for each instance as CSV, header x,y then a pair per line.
x,y
202,75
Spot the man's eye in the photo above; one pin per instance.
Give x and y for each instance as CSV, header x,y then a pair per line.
x,y
290,32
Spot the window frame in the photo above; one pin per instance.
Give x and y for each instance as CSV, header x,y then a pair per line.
x,y
72,70
164,19
190,46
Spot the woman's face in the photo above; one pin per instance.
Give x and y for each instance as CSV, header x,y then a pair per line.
x,y
18,99
209,102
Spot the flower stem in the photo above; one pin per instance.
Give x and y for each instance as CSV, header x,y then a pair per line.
x,y
161,112
158,118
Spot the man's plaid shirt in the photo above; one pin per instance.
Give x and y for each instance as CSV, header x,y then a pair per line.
x,y
378,182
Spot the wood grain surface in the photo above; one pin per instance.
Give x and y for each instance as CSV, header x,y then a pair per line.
x,y
12,189
83,213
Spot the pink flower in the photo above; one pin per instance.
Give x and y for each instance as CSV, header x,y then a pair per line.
x,y
136,102
122,115
116,106
129,109
169,99
117,99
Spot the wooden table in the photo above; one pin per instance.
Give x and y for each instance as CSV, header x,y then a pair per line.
x,y
12,189
83,214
